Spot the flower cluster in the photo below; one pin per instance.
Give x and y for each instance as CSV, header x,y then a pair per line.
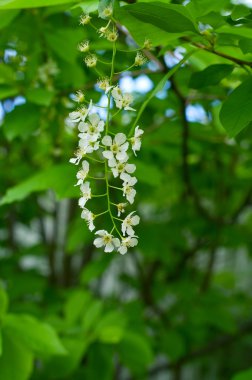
x,y
99,146
115,150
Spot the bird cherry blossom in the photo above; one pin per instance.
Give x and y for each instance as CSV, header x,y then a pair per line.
x,y
106,240
136,140
82,173
127,242
89,217
86,194
129,221
117,147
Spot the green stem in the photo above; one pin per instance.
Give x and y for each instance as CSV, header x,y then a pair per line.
x,y
106,132
123,71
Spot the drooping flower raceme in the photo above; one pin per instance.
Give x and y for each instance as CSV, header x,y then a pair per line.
x,y
106,175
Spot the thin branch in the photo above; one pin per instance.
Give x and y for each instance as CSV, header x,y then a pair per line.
x,y
209,348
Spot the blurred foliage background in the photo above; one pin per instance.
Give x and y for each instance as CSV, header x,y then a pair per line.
x,y
179,306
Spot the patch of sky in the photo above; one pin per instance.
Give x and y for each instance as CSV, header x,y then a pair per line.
x,y
9,54
195,113
162,94
172,58
1,112
141,84
244,2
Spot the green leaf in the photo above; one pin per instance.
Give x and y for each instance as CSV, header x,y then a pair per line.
x,y
1,342
75,305
147,173
240,11
7,74
38,337
16,361
201,7
160,29
3,302
169,17
245,45
63,42
111,327
8,92
60,178
21,122
39,96
78,236
135,352
244,375
19,4
174,344
92,315
210,76
236,111
6,17
60,367
235,31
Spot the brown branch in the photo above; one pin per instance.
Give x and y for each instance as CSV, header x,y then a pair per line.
x,y
209,348
239,61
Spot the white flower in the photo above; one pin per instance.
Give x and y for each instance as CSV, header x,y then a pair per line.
x,y
91,60
82,173
127,242
128,191
120,167
111,35
88,146
85,19
140,59
78,156
81,113
122,100
89,217
136,140
118,147
84,47
120,208
79,97
103,84
129,221
107,240
92,128
86,194
107,12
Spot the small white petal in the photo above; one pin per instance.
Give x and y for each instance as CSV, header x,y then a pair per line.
x,y
98,242
107,141
120,138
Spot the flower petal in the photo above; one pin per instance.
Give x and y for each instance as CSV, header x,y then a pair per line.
x,y
107,140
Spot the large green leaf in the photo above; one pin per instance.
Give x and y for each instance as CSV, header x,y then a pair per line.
x,y
38,337
3,302
8,92
18,4
157,21
6,17
60,178
169,17
210,76
40,96
244,375
63,42
135,352
16,361
236,112
21,122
